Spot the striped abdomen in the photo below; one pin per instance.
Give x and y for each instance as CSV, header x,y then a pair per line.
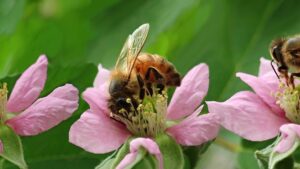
x,y
164,67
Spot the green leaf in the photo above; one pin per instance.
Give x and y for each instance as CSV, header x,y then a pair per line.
x,y
170,151
257,145
107,163
194,153
10,13
263,156
109,45
122,152
283,159
296,155
270,159
2,161
286,163
12,145
148,162
246,160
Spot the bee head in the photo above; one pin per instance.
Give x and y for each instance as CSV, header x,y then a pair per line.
x,y
276,52
293,46
117,85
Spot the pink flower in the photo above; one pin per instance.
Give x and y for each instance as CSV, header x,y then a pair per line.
x,y
96,132
135,144
290,133
31,115
257,116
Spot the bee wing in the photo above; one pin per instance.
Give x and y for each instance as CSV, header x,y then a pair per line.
x,y
132,48
122,64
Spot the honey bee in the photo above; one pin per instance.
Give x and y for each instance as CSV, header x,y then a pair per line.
x,y
285,53
136,73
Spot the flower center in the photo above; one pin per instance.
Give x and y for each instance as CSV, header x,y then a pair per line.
x,y
3,101
289,100
148,119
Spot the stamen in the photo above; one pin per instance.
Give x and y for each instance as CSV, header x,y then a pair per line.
x,y
288,99
148,118
3,101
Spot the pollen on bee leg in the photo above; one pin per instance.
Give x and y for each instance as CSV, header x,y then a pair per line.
x,y
288,98
139,108
128,100
123,111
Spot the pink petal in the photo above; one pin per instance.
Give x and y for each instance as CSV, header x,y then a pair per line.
x,y
147,144
97,133
265,87
195,130
248,116
189,95
102,76
97,99
290,133
265,66
29,86
46,112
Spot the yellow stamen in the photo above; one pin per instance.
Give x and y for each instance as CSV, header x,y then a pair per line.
x,y
3,101
288,99
148,119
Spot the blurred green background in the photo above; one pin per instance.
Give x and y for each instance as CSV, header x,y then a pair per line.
x,y
77,35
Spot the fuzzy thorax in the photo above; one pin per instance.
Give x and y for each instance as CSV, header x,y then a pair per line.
x,y
3,101
288,99
148,120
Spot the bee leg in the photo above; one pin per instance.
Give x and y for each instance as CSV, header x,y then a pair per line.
x,y
292,78
158,77
284,71
291,81
142,89
149,88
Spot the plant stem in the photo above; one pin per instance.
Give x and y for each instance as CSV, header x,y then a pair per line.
x,y
228,145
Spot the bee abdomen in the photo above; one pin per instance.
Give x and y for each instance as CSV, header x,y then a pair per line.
x,y
164,67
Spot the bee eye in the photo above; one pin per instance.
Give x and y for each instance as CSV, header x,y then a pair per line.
x,y
295,53
276,52
116,86
121,102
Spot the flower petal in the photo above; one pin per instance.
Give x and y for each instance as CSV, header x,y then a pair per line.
x,y
290,133
248,116
265,87
46,112
102,76
147,144
97,99
265,67
195,130
189,95
29,86
97,133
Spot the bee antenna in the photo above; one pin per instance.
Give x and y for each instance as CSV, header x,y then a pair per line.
x,y
272,61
